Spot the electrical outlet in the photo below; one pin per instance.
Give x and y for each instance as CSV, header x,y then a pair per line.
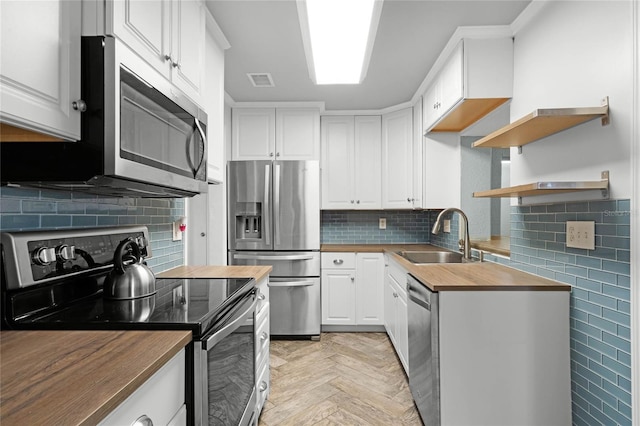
x,y
581,234
447,225
382,223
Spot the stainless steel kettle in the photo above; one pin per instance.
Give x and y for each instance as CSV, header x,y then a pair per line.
x,y
129,281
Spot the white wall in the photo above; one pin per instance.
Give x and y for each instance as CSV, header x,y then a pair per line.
x,y
572,54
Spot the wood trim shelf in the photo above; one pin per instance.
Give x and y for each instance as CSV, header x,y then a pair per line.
x,y
542,123
545,188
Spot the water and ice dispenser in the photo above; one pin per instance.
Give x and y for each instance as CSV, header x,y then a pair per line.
x,y
248,221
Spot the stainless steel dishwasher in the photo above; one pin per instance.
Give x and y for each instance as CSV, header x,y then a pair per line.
x,y
424,350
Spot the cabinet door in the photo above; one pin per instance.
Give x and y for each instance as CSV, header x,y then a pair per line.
x,y
253,133
402,329
431,113
297,134
337,162
368,162
187,47
418,157
390,321
145,26
40,66
213,102
451,80
370,288
397,160
338,297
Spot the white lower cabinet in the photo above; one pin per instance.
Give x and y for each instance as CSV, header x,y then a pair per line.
x,y
160,400
395,312
352,286
262,348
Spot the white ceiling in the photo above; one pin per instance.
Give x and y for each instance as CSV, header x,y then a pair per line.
x,y
265,37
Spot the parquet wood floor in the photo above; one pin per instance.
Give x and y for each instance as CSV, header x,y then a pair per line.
x,y
344,379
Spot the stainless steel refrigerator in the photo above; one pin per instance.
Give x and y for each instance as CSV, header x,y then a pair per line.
x,y
274,219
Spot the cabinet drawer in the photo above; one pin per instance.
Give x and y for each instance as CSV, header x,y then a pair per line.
x,y
338,261
262,386
159,398
263,296
262,336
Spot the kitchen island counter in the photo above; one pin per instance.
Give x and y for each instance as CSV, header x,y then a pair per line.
x,y
77,377
207,271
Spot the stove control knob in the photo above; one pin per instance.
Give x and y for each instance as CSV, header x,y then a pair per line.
x,y
142,242
43,256
65,252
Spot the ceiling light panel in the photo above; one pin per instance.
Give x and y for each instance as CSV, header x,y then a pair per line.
x,y
338,37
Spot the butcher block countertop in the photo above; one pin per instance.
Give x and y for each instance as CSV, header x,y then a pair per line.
x,y
77,377
375,248
475,276
205,271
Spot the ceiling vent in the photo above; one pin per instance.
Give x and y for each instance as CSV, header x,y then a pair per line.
x,y
261,79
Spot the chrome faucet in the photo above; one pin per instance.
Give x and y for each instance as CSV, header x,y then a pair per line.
x,y
465,224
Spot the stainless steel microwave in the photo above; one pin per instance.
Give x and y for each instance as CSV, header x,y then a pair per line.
x,y
140,135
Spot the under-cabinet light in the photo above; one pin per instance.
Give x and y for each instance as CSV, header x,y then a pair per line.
x,y
338,38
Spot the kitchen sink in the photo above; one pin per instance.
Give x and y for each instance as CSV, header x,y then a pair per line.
x,y
424,257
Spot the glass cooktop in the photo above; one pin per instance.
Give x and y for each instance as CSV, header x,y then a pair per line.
x,y
179,303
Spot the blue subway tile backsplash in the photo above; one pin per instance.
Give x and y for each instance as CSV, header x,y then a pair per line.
x,y
29,209
361,227
600,298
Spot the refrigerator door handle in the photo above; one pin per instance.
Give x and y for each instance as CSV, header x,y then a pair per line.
x,y
276,205
267,205
290,283
283,257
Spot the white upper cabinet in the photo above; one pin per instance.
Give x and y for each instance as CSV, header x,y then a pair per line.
x,y
297,134
351,162
168,34
476,78
418,156
253,133
40,67
213,100
275,133
397,160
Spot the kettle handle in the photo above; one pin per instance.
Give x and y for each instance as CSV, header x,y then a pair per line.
x,y
120,251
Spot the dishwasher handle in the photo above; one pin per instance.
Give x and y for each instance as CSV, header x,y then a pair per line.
x,y
418,293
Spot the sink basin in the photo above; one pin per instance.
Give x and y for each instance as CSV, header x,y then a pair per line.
x,y
422,257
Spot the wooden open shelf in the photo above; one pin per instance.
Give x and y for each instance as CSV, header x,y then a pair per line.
x,y
542,123
546,188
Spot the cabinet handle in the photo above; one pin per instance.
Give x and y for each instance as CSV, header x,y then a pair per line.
x,y
351,201
357,201
79,105
353,279
277,154
395,294
263,386
271,154
202,234
143,420
168,57
409,200
338,261
176,65
262,296
263,336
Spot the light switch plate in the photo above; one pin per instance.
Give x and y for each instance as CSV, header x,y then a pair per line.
x,y
447,225
382,223
581,234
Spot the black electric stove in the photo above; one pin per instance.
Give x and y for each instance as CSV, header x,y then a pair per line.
x,y
53,280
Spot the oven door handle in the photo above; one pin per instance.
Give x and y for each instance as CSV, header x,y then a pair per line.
x,y
236,321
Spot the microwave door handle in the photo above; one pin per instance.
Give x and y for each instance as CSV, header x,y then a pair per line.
x,y
188,148
238,320
203,142
267,205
